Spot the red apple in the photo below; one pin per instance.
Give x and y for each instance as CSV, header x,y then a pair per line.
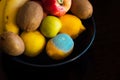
x,y
56,7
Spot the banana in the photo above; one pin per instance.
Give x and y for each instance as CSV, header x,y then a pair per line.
x,y
11,9
2,6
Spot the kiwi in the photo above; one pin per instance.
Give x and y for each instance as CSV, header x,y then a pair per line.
x,y
82,8
29,16
11,44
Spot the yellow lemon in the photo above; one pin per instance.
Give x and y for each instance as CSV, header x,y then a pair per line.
x,y
34,43
71,25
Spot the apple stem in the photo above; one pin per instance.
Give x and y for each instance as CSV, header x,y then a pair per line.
x,y
60,2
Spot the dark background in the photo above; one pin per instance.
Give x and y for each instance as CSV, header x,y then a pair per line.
x,y
101,62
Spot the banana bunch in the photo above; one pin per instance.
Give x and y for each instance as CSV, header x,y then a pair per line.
x,y
8,12
2,6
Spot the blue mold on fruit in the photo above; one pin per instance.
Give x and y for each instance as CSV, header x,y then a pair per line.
x,y
63,42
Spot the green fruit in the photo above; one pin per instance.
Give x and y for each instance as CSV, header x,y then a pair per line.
x,y
50,26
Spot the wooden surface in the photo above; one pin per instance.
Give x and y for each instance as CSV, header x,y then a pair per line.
x,y
102,61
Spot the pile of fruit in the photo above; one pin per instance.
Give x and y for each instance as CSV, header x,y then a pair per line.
x,y
29,26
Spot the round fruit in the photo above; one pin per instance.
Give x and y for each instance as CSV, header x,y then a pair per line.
x,y
50,26
60,46
82,8
71,25
34,43
11,43
56,7
30,16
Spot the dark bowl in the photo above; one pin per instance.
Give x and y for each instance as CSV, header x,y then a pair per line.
x,y
82,43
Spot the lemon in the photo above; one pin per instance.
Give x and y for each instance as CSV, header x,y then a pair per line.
x,y
60,46
34,43
50,26
71,25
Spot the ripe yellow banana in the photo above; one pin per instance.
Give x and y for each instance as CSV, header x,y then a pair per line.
x,y
2,7
11,9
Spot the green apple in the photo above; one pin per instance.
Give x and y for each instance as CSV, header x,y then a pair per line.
x,y
50,26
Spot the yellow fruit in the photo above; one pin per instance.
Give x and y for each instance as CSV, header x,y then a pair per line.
x,y
11,28
34,43
60,46
71,25
50,26
11,9
2,6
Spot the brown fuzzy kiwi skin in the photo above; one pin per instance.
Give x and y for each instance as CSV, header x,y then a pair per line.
x,y
29,16
12,44
82,8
